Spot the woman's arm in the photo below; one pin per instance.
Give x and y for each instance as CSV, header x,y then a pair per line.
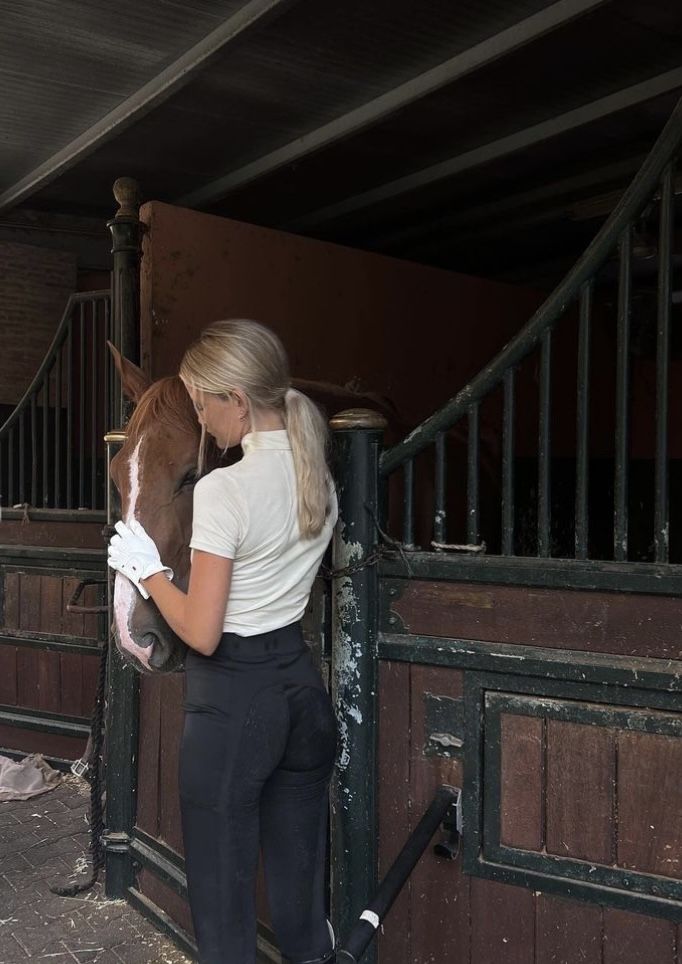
x,y
197,616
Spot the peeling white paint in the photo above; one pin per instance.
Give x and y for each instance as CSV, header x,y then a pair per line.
x,y
347,684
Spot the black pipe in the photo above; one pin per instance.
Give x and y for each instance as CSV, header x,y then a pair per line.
x,y
364,931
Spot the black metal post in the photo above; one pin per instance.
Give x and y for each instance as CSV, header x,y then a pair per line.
x,y
357,443
122,709
126,232
123,682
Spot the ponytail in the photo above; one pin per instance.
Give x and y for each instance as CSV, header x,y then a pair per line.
x,y
244,354
309,440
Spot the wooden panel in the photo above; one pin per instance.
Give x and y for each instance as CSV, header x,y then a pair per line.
x,y
49,682
29,613
649,812
28,660
622,623
393,801
148,755
71,670
170,830
439,894
580,798
502,924
166,898
63,535
521,781
8,675
50,604
635,939
92,596
10,616
568,931
33,741
90,670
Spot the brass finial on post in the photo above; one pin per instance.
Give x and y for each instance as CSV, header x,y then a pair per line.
x,y
127,194
352,418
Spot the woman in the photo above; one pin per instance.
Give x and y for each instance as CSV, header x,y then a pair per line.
x,y
259,737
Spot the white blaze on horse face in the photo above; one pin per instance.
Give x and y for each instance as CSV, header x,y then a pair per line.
x,y
125,594
134,477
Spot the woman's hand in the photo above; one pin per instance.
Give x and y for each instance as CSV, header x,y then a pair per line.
x,y
133,553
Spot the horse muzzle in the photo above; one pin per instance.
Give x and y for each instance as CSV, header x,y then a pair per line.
x,y
142,637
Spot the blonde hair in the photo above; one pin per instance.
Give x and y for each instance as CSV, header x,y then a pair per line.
x,y
243,354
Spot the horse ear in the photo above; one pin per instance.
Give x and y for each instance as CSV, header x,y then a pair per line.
x,y
134,382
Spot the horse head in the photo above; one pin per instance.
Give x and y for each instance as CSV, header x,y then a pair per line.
x,y
154,472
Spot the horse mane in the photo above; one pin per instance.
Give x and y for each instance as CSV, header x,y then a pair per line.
x,y
165,401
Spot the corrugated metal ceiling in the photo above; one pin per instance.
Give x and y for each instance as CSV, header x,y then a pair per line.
x,y
65,64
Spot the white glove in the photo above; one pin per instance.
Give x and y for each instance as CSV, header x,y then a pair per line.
x,y
134,553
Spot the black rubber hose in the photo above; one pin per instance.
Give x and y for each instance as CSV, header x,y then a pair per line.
x,y
364,931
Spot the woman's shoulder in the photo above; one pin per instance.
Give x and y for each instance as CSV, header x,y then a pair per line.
x,y
224,478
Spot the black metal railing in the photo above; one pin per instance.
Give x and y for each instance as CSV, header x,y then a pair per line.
x,y
652,192
51,451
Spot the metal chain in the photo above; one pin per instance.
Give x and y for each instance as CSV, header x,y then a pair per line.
x,y
384,547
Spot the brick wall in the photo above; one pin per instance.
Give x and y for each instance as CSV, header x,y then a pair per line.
x,y
35,284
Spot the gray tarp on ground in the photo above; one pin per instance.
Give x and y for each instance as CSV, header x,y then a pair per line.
x,y
26,778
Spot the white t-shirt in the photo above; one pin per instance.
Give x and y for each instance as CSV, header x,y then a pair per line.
x,y
248,512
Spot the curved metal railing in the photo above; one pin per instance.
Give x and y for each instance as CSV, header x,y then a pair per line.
x,y
656,175
51,450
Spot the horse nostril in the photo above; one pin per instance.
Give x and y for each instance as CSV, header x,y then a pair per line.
x,y
159,655
148,640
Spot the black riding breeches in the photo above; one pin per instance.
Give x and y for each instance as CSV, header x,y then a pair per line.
x,y
258,748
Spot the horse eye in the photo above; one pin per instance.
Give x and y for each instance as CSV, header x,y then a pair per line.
x,y
189,479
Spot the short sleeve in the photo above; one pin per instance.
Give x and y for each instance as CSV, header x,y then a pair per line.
x,y
218,521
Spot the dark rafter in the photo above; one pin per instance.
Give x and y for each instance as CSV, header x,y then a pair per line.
x,y
520,140
154,92
378,109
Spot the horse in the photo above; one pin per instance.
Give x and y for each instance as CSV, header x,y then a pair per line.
x,y
154,472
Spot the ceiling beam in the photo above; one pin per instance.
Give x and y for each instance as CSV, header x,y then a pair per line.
x,y
153,93
469,220
518,141
377,110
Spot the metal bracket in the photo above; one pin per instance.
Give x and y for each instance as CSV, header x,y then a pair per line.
x,y
448,849
80,767
72,605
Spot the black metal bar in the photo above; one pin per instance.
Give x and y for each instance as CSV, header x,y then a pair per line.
x,y
508,522
629,207
69,414
582,470
46,409
123,686
544,451
665,245
93,401
34,451
622,442
439,515
108,382
22,459
354,668
366,927
57,427
408,504
10,467
81,409
122,728
472,476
